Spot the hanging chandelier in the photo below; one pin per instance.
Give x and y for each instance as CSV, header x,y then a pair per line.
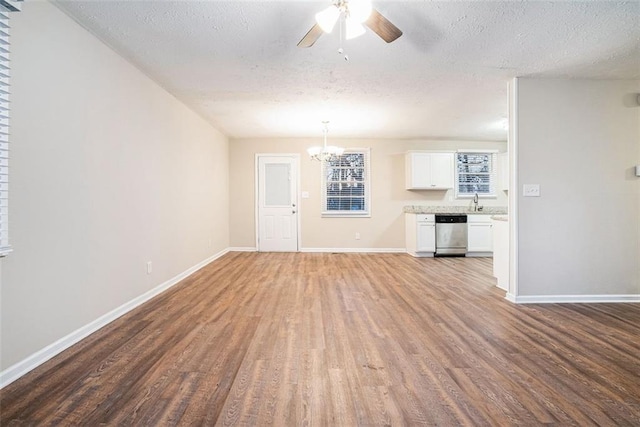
x,y
325,152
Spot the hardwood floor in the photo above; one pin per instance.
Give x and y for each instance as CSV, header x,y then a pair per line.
x,y
342,340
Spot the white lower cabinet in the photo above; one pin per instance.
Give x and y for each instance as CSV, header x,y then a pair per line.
x,y
501,252
420,234
479,235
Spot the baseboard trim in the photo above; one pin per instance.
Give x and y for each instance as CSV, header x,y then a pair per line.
x,y
355,250
479,254
243,249
565,299
329,250
421,254
26,365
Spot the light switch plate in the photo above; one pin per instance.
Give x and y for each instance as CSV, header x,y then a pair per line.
x,y
305,194
531,190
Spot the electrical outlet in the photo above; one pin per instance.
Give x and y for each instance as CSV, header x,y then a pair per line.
x,y
357,236
531,190
209,244
149,267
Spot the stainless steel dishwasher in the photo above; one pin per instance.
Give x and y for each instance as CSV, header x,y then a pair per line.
x,y
451,235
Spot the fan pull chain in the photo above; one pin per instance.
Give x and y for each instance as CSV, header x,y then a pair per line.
x,y
340,49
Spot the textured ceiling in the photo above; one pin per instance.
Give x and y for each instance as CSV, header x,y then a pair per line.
x,y
236,62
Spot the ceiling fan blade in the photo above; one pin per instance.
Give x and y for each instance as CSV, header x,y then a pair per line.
x,y
311,37
382,27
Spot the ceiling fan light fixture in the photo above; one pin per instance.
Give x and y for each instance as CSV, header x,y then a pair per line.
x,y
359,10
353,29
327,18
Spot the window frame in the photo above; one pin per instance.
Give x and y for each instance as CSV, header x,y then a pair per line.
x,y
366,181
493,177
6,6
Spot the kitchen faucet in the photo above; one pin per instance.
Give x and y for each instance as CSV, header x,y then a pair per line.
x,y
475,202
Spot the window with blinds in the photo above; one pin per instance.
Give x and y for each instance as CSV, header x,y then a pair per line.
x,y
346,184
6,6
476,174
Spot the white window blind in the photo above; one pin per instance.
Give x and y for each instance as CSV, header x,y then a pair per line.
x,y
10,6
346,184
476,173
6,6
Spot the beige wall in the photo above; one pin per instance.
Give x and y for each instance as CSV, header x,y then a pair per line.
x,y
578,139
108,171
385,228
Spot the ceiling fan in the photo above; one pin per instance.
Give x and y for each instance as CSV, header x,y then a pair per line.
x,y
355,13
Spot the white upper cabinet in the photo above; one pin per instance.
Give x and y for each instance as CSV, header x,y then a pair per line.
x,y
429,171
503,169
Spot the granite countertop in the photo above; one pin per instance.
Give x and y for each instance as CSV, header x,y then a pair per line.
x,y
486,210
504,218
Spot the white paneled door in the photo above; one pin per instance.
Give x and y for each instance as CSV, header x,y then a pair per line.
x,y
277,203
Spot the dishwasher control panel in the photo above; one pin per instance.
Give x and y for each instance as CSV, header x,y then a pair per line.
x,y
451,219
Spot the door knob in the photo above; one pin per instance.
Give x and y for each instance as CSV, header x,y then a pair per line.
x,y
293,211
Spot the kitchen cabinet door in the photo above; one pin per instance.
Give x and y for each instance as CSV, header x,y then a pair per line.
x,y
426,239
479,234
442,170
418,173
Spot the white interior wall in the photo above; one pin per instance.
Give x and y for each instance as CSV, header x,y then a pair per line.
x,y
578,139
108,171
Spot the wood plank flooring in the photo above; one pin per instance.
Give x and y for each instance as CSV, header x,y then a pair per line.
x,y
342,340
